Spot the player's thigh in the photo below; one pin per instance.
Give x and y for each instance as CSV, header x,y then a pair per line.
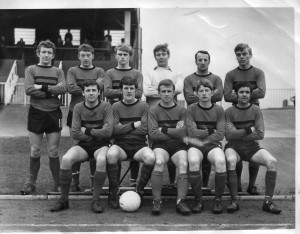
x,y
161,156
180,160
195,156
35,140
73,155
216,157
264,157
145,155
53,140
116,153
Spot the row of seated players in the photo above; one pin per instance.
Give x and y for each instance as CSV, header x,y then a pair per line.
x,y
187,137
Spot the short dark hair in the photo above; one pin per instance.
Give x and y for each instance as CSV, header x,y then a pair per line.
x,y
46,44
87,48
206,83
202,52
124,48
242,84
128,80
166,82
162,47
87,83
241,47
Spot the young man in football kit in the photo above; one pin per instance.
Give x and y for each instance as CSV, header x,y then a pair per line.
x,y
244,128
245,72
129,133
152,78
76,75
205,122
112,90
166,129
202,60
43,83
92,127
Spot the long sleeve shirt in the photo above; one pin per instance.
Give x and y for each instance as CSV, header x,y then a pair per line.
x,y
112,89
191,83
206,123
124,117
152,79
98,119
238,119
78,74
166,119
53,81
253,75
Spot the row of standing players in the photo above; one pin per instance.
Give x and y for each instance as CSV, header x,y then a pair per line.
x,y
44,83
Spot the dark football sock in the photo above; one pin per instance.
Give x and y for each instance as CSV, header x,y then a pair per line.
x,y
172,172
206,168
196,183
76,173
220,181
253,172
92,165
119,170
65,179
232,183
270,181
156,183
145,176
239,169
34,169
99,179
182,185
54,168
112,173
134,169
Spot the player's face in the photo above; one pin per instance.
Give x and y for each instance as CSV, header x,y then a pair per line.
x,y
243,57
45,55
128,92
244,95
204,94
202,62
91,93
86,58
122,57
162,58
166,93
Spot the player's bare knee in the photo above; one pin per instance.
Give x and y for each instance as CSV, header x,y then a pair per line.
x,y
112,156
272,164
100,160
149,158
35,152
220,165
53,152
231,162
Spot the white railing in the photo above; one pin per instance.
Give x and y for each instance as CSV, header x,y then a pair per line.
x,y
10,84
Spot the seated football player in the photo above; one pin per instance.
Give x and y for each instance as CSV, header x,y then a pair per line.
x,y
206,124
166,129
129,133
244,127
92,126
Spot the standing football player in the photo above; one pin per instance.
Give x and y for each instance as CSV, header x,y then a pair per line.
x,y
43,83
130,129
245,72
205,121
244,127
166,129
112,90
76,75
92,126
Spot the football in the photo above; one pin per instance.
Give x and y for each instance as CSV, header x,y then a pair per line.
x,y
130,201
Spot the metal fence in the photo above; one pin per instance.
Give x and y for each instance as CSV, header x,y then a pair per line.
x,y
275,98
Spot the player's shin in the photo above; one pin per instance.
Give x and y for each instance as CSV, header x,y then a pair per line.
x,y
65,179
146,172
112,173
34,169
54,168
156,183
99,179
220,181
270,182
